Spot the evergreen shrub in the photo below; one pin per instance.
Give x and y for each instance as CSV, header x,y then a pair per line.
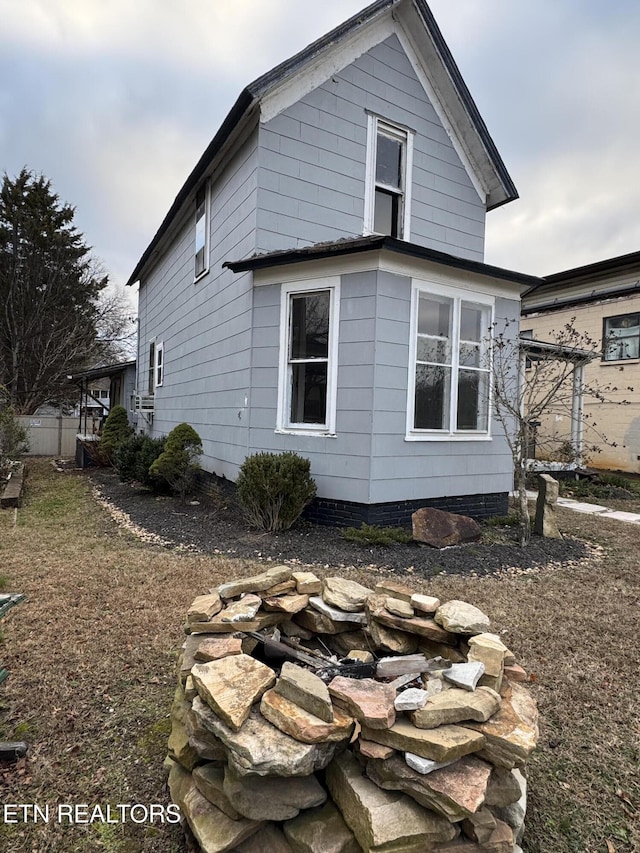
x,y
274,488
135,456
116,429
177,464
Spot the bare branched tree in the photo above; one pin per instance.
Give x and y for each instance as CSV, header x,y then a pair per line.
x,y
531,378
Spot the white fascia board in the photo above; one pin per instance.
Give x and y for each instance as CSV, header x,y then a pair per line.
x,y
391,262
331,61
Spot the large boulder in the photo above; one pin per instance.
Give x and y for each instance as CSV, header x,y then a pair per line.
x,y
440,529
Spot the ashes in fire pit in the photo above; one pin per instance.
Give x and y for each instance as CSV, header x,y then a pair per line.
x,y
325,717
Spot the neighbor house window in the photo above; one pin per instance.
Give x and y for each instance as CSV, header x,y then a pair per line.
x,y
388,179
308,357
449,370
621,337
202,261
159,364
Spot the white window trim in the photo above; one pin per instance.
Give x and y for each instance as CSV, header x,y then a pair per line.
x,y
207,194
158,364
374,123
332,284
458,296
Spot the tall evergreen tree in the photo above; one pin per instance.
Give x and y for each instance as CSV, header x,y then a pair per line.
x,y
49,294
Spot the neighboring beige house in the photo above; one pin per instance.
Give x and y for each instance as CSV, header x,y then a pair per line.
x,y
603,301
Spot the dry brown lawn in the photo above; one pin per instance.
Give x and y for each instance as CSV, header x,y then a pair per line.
x,y
92,655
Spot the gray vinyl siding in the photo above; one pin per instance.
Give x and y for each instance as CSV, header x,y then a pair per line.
x,y
206,325
339,465
313,160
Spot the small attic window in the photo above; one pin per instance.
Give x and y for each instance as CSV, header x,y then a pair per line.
x,y
388,179
201,253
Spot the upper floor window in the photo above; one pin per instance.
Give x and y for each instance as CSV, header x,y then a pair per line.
x,y
621,337
201,256
388,179
308,357
449,371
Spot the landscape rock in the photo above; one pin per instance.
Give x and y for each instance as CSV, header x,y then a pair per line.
x,y
204,607
209,780
307,583
231,686
299,724
214,831
456,791
512,733
411,700
489,650
259,798
320,623
337,614
215,648
465,675
369,701
392,640
279,589
424,603
441,529
395,589
218,625
398,607
369,749
514,672
255,583
345,594
382,820
546,521
179,747
445,743
243,610
455,705
306,689
268,840
420,625
261,749
360,655
503,789
432,649
459,617
320,830
515,813
421,765
480,826
286,603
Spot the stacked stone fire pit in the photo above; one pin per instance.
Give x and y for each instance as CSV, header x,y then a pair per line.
x,y
324,717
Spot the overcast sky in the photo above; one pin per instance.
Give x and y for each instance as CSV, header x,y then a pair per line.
x,y
115,100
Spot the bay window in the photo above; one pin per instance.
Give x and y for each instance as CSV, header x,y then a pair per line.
x,y
449,371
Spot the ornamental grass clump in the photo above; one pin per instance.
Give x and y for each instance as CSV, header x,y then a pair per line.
x,y
178,463
274,488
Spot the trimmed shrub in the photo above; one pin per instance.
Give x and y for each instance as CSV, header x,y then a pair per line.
x,y
116,429
177,464
135,456
274,488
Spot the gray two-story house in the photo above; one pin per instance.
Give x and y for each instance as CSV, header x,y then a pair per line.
x,y
318,284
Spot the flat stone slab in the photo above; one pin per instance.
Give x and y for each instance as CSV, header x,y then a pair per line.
x,y
259,798
421,765
204,607
392,640
344,594
465,675
320,623
214,831
307,583
424,603
337,614
445,743
285,603
262,749
455,792
398,607
395,589
306,689
216,648
420,625
269,840
459,617
299,724
369,701
411,700
320,830
255,583
512,733
455,706
217,626
232,685
243,610
382,820
209,780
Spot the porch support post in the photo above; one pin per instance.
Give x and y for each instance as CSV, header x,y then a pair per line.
x,y
577,413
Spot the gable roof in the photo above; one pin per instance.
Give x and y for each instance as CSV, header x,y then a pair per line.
x,y
440,73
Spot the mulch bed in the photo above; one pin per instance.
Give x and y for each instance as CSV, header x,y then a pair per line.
x,y
217,527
